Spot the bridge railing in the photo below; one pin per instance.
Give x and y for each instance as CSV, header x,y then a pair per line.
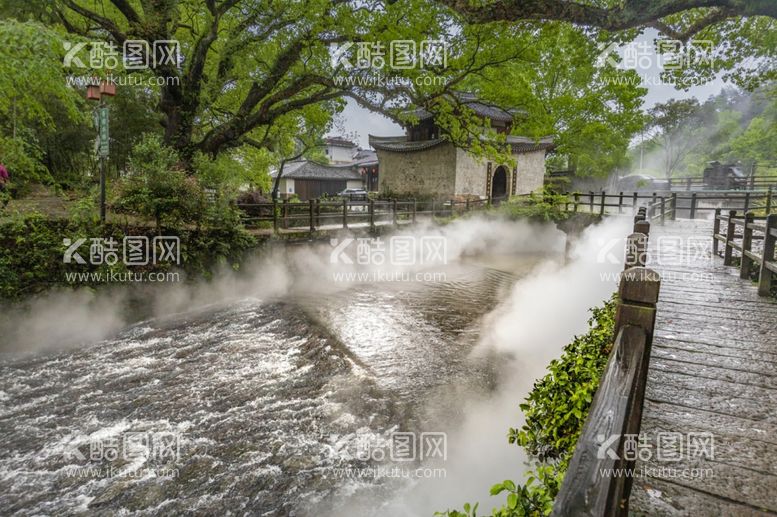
x,y
756,182
314,214
669,205
592,485
740,234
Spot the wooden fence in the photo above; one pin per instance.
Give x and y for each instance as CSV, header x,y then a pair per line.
x,y
320,214
591,485
756,182
662,207
740,234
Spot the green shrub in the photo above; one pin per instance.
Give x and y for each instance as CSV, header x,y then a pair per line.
x,y
555,412
545,206
157,189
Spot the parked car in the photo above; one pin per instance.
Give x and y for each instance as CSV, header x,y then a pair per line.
x,y
642,182
354,194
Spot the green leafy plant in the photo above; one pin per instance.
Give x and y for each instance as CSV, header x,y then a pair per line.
x,y
158,189
555,412
543,206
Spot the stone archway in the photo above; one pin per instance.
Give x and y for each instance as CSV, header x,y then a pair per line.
x,y
499,184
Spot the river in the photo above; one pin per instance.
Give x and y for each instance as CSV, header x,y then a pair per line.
x,y
306,402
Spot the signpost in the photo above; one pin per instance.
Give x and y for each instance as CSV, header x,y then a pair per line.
x,y
103,142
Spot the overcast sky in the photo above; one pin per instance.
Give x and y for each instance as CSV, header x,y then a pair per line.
x,y
364,122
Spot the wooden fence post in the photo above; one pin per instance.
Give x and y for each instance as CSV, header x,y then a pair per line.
x,y
285,213
688,184
636,250
275,216
372,214
620,203
693,205
747,203
415,208
663,210
591,201
634,201
730,229
394,212
715,231
674,206
747,243
345,213
642,226
311,214
769,200
601,204
766,279
577,200
318,212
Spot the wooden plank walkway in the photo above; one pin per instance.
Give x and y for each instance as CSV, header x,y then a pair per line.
x,y
713,372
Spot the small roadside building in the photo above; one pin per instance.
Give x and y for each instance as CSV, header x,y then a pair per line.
x,y
339,149
310,180
422,163
365,162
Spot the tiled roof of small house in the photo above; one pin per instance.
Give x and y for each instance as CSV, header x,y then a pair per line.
x,y
339,141
480,108
519,144
401,143
365,157
522,144
305,169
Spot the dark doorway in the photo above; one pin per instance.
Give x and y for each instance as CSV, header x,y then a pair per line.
x,y
499,185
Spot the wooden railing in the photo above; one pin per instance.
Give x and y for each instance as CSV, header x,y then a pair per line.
x,y
661,207
591,485
756,182
316,213
747,230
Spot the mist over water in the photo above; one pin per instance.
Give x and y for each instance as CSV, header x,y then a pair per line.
x,y
271,373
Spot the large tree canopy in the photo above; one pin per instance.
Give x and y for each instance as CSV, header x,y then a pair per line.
x,y
617,15
743,32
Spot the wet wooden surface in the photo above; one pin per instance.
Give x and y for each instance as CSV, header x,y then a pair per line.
x,y
713,369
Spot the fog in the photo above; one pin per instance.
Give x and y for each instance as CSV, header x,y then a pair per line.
x,y
538,316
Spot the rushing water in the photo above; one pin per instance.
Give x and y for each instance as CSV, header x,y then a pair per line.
x,y
262,402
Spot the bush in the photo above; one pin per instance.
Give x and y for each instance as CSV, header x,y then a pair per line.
x,y
555,412
158,189
545,206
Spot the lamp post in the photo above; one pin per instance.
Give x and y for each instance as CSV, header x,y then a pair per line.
x,y
95,92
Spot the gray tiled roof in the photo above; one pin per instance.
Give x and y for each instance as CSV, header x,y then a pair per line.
x,y
519,144
305,169
480,108
339,141
401,144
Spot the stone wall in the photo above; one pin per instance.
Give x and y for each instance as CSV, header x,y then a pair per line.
x,y
531,171
445,171
431,172
470,174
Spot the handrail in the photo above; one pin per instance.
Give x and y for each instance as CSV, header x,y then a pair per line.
x,y
616,409
749,258
663,207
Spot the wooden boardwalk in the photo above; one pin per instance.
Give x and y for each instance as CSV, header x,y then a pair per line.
x,y
713,371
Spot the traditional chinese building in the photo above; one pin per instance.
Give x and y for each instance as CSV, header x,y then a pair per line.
x,y
310,180
422,163
340,150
